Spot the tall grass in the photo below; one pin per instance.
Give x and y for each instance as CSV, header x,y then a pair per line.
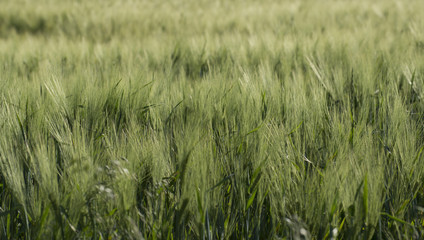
x,y
211,120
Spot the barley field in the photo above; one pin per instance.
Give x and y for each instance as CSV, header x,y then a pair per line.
x,y
194,119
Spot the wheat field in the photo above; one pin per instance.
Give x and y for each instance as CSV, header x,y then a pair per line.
x,y
195,119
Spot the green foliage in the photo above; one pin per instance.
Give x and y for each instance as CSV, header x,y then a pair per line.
x,y
211,119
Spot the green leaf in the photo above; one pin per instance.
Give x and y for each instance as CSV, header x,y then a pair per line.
x,y
251,199
199,205
220,182
254,130
113,211
294,130
365,196
255,179
227,220
396,219
43,220
341,224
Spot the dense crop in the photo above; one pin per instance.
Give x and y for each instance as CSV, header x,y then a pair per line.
x,y
211,119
